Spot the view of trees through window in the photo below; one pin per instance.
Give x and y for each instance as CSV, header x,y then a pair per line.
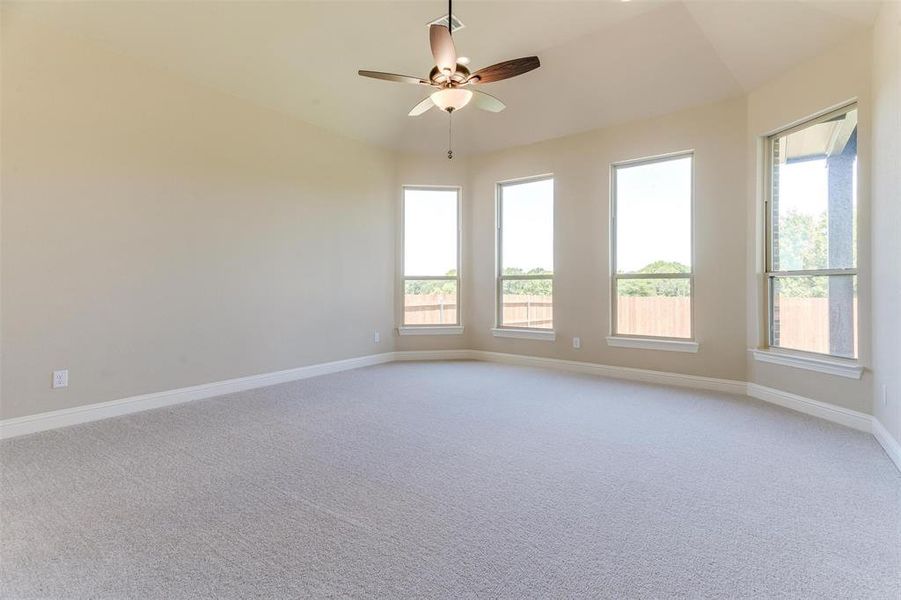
x,y
652,270
526,258
812,233
656,287
431,238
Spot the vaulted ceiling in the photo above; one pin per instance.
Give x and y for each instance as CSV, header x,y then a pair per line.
x,y
603,62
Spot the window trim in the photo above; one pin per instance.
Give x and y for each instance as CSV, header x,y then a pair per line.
x,y
525,333
621,339
653,343
424,329
500,329
809,361
429,328
795,357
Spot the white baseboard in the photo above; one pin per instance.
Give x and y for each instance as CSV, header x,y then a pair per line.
x,y
93,412
728,386
409,355
888,443
823,410
114,408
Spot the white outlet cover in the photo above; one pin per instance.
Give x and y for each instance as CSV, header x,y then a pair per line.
x,y
61,379
577,343
376,337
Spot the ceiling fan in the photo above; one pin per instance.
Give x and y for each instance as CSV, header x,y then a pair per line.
x,y
452,79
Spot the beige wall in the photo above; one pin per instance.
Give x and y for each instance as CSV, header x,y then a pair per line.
x,y
157,234
829,80
581,168
886,218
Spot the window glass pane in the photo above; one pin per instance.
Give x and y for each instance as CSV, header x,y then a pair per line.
x,y
814,196
653,307
430,302
527,221
653,217
430,232
816,314
528,303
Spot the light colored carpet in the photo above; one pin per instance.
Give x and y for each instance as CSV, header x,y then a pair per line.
x,y
452,480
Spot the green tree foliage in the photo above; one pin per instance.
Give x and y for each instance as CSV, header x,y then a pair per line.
x,y
432,286
657,287
527,287
803,244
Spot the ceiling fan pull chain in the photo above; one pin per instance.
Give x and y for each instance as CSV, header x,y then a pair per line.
x,y
450,151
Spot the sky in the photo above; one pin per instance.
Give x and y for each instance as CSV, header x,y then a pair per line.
x,y
653,214
528,225
430,232
654,222
430,221
803,187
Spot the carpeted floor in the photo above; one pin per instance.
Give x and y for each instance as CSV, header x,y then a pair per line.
x,y
452,480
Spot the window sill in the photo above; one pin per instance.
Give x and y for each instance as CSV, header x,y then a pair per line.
x,y
652,344
525,334
431,330
831,366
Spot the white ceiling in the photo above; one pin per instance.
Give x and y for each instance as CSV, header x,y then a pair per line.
x,y
603,62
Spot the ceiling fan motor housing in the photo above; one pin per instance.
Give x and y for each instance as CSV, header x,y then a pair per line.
x,y
438,77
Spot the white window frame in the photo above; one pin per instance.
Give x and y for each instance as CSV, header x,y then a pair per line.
x,y
501,330
429,328
804,359
651,342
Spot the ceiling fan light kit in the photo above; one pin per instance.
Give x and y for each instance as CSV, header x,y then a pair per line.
x,y
451,76
451,99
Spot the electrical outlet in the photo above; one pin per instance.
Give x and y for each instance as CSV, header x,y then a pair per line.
x,y
376,337
577,343
61,379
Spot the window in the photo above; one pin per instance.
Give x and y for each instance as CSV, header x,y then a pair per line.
x,y
525,243
652,246
812,236
431,254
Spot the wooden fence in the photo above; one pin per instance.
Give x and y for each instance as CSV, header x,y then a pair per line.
x,y
528,311
803,321
441,309
430,309
804,324
665,316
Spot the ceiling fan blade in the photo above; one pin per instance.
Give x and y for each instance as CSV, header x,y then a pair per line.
x,y
421,107
393,77
505,70
487,102
443,49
